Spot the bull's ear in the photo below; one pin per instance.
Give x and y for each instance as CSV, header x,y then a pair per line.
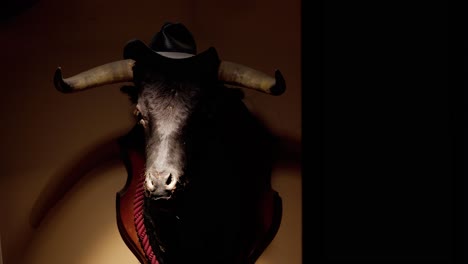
x,y
131,91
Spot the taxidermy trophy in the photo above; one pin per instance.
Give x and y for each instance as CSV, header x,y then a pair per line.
x,y
199,163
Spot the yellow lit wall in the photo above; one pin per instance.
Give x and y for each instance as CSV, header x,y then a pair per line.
x,y
45,131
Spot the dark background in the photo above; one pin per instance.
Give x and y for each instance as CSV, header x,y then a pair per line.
x,y
382,133
382,146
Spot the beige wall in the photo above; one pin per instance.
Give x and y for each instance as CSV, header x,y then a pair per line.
x,y
44,131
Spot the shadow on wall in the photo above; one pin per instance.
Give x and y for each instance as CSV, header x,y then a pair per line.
x,y
287,155
65,179
81,169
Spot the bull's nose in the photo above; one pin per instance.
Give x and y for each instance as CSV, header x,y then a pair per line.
x,y
159,184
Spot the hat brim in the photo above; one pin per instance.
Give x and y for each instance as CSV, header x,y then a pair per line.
x,y
139,51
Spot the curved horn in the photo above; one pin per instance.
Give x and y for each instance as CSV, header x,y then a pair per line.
x,y
113,72
240,75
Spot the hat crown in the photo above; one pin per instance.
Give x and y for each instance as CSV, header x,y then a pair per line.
x,y
173,37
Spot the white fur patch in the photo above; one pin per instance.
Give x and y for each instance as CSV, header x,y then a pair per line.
x,y
168,123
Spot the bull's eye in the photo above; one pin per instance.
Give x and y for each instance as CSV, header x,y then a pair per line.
x,y
139,117
142,122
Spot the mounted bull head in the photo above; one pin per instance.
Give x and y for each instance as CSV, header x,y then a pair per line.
x,y
200,138
169,87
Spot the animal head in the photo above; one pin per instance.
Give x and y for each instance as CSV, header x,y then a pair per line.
x,y
180,97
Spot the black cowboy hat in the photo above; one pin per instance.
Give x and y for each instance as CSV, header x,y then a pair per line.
x,y
173,47
174,37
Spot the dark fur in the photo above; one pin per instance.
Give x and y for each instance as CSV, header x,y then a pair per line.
x,y
212,218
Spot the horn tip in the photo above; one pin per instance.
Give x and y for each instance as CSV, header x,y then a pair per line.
x,y
280,85
59,83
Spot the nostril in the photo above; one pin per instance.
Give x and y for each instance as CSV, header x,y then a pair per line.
x,y
149,185
169,179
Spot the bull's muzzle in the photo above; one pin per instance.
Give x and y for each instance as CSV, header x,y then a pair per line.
x,y
159,185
